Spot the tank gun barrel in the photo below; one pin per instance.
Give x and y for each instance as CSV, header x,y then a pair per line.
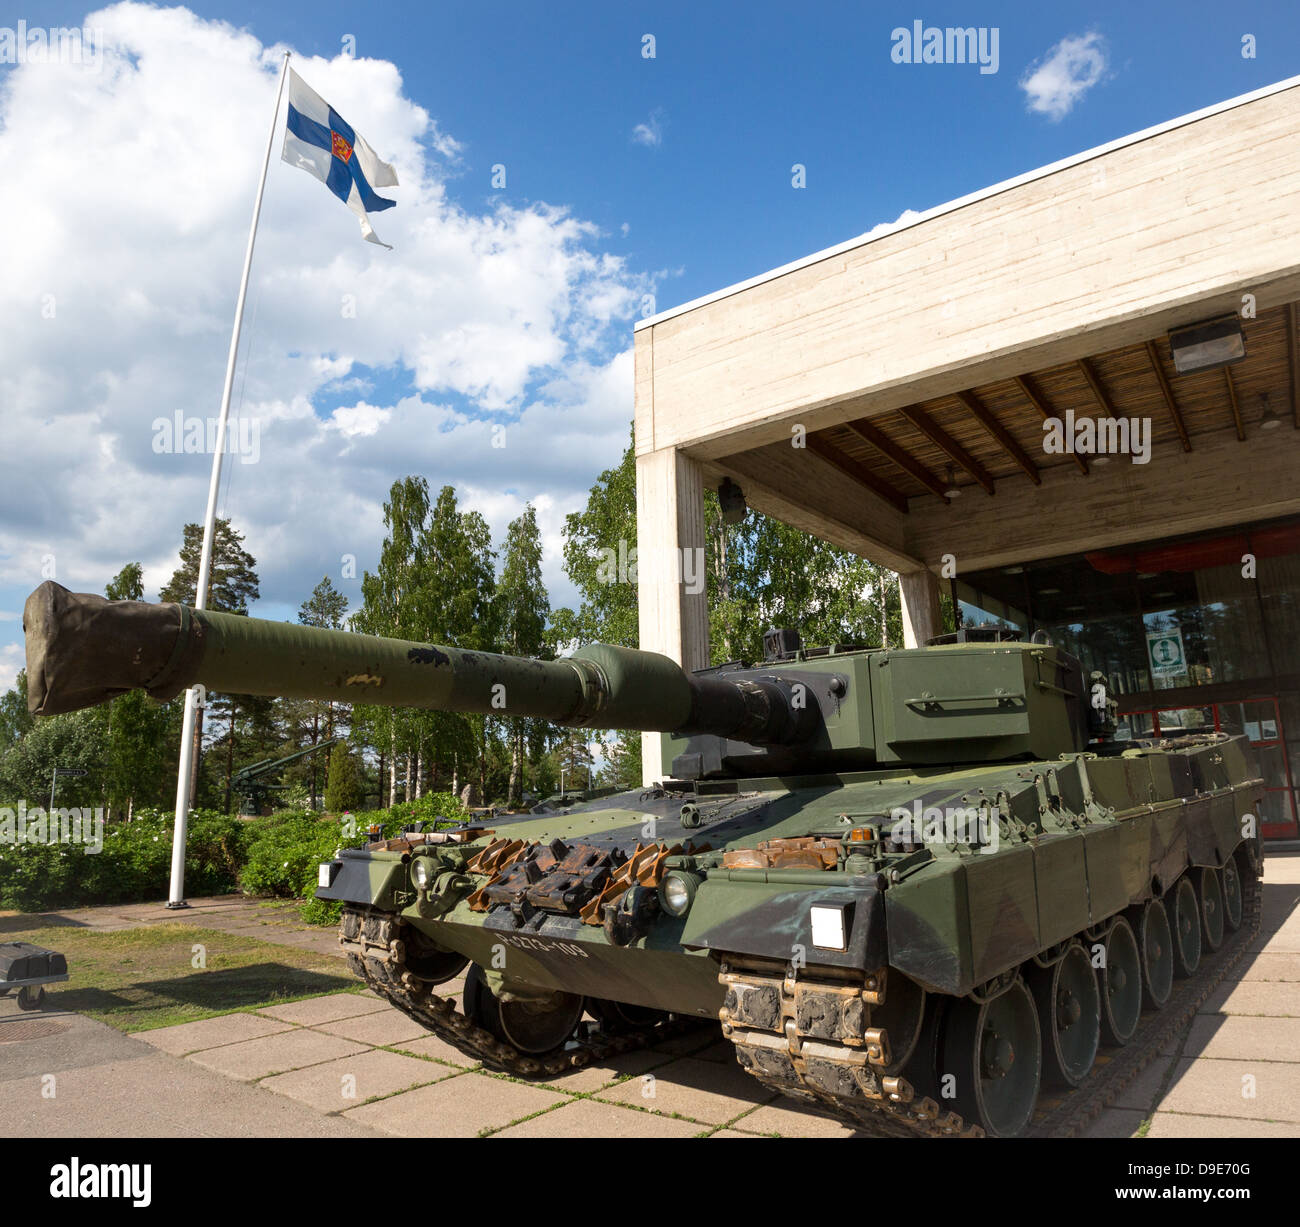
x,y
83,650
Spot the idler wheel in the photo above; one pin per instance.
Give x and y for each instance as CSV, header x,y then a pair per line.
x,y
991,1061
1069,1016
1185,923
1209,891
1156,944
536,1028
1119,981
1230,884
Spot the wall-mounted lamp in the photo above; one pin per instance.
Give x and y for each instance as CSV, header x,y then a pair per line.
x,y
732,499
1202,347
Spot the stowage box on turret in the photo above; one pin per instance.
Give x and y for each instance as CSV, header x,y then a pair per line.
x,y
913,886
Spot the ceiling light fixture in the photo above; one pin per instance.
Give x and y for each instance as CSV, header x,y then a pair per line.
x,y
1209,344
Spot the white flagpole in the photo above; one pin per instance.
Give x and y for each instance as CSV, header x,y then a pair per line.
x,y
176,897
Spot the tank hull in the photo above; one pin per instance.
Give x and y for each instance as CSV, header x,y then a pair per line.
x,y
1054,855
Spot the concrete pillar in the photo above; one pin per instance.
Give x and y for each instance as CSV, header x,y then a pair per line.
x,y
918,592
671,597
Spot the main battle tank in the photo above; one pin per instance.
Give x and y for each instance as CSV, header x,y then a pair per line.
x,y
916,887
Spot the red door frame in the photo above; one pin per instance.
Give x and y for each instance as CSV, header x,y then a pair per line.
x,y
1268,830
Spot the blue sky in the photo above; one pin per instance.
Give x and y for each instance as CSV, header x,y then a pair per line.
x,y
674,174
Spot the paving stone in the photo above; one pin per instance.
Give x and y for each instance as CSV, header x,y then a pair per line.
x,y
382,1027
1142,1092
1178,1125
372,1074
1269,966
1209,1087
210,1033
1114,1123
275,1054
331,1008
1250,1038
1276,998
438,1050
585,1118
701,1090
461,1106
601,1074
792,1122
735,1133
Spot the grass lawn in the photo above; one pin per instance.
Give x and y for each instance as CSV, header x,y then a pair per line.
x,y
139,979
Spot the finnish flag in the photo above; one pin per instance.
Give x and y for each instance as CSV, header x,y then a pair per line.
x,y
318,140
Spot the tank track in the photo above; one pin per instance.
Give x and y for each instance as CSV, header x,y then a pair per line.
x,y
372,943
849,1081
802,1058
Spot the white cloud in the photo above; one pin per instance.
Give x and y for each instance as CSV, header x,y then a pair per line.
x,y
1067,72
651,132
116,308
903,218
12,659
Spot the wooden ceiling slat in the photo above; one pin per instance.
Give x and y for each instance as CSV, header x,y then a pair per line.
x,y
904,459
1032,395
1167,392
944,431
1236,409
857,471
949,445
1103,397
1002,435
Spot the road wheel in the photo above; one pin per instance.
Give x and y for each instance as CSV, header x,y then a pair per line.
x,y
1120,982
1069,1016
992,1052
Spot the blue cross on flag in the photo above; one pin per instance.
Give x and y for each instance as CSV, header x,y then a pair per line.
x,y
318,140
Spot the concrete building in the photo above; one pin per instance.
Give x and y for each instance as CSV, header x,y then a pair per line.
x,y
1009,396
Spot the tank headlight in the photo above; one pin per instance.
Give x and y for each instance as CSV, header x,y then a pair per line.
x,y
423,870
677,892
828,927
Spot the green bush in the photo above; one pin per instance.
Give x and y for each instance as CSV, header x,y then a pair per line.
x,y
273,856
133,865
285,849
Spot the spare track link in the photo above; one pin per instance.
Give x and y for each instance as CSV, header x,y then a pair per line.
x,y
372,943
794,1054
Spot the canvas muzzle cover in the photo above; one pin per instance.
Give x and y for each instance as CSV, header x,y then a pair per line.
x,y
83,649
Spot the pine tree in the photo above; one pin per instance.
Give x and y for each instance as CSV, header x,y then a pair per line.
x,y
343,787
232,582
